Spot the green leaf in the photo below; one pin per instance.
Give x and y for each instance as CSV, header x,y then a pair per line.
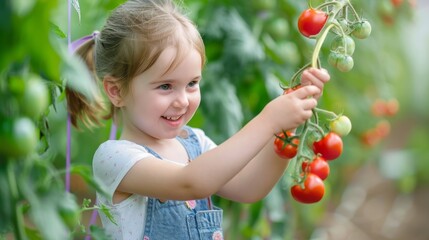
x,y
33,234
106,211
98,233
77,76
85,172
76,7
57,31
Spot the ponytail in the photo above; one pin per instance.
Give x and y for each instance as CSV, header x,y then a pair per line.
x,y
88,111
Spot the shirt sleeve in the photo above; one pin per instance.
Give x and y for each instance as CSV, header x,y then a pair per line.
x,y
112,160
205,142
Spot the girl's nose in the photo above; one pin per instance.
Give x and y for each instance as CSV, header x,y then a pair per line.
x,y
181,100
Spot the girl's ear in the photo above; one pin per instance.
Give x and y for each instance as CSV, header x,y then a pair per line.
x,y
113,91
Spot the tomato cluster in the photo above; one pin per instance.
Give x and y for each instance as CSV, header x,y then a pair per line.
x,y
391,10
314,144
26,98
385,108
381,109
313,20
310,188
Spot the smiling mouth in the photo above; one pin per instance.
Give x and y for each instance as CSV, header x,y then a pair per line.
x,y
172,118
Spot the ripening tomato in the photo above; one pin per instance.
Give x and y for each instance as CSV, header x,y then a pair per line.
x,y
311,22
313,190
318,166
341,125
330,146
286,147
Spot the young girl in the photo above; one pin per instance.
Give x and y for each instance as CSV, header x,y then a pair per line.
x,y
161,173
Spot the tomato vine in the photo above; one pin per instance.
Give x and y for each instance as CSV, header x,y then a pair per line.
x,y
315,140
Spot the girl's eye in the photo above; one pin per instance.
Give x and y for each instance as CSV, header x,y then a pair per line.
x,y
165,87
193,84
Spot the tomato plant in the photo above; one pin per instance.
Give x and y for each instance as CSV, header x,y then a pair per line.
x,y
330,146
311,22
286,146
318,166
312,190
341,125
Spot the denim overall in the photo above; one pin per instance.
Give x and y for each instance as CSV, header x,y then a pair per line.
x,y
192,219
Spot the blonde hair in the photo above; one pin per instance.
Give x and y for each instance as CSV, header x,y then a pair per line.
x,y
134,36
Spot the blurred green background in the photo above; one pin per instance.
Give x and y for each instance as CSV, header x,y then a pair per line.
x,y
377,189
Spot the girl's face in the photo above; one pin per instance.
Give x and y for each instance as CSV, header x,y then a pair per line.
x,y
161,102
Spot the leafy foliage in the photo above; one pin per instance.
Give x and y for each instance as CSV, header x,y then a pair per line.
x,y
246,63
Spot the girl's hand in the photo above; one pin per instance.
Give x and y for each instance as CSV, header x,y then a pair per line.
x,y
290,110
316,77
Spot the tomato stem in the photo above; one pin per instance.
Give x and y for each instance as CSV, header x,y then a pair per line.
x,y
318,128
319,44
354,11
326,112
327,4
17,218
295,75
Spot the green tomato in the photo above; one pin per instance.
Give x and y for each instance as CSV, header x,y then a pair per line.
x,y
18,137
288,52
263,5
341,125
361,30
343,44
342,62
333,58
278,28
35,98
345,63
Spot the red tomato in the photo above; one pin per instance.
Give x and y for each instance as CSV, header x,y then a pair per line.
x,y
370,138
313,190
291,89
378,108
382,128
330,146
311,21
396,3
286,147
318,166
392,107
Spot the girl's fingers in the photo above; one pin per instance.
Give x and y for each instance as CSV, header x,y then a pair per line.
x,y
320,74
306,91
